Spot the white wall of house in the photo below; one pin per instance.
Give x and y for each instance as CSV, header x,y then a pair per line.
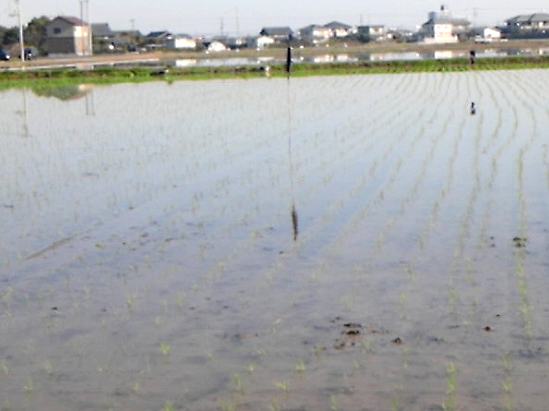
x,y
261,42
181,43
439,34
492,34
216,46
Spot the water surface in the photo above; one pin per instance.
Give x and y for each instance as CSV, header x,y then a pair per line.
x,y
353,243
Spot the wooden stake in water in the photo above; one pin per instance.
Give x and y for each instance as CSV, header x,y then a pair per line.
x,y
289,60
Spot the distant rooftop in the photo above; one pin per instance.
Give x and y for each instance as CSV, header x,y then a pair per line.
x,y
276,31
336,25
528,18
75,21
102,30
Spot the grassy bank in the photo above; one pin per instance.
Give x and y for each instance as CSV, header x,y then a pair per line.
x,y
110,75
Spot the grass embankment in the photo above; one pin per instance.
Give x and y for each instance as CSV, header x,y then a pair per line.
x,y
110,75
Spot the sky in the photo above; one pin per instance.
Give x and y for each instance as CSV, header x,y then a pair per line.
x,y
209,17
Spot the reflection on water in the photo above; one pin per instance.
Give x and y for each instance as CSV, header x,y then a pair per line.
x,y
347,58
63,93
295,223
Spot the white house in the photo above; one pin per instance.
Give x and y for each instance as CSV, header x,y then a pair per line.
x,y
487,34
260,42
339,30
181,42
68,35
442,28
216,46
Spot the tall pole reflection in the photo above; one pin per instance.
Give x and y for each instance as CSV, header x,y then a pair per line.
x,y
293,210
90,102
24,114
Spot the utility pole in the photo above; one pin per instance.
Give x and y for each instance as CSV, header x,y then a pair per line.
x,y
86,42
132,21
21,40
221,26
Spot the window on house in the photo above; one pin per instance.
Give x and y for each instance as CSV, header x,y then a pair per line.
x,y
56,30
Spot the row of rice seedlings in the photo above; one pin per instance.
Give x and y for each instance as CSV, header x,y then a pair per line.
x,y
357,190
520,269
413,195
521,274
361,215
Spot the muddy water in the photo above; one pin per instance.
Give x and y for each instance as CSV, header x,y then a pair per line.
x,y
345,243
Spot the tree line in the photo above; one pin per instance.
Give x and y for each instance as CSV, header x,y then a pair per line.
x,y
34,34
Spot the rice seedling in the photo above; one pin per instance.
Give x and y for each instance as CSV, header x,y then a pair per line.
x,y
164,348
274,406
29,386
237,380
169,406
451,401
48,367
300,366
334,403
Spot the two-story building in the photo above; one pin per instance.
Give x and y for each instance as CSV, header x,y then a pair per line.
x,y
442,28
340,30
314,34
372,33
527,26
277,34
68,35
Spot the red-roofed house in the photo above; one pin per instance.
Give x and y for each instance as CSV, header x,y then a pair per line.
x,y
68,35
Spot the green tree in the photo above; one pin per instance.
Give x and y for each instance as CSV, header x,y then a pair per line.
x,y
35,33
10,36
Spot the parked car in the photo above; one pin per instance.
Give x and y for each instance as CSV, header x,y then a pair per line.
x,y
30,53
4,55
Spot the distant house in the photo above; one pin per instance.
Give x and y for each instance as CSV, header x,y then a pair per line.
x,y
216,46
339,30
102,31
127,39
486,34
278,34
260,42
527,26
158,39
314,34
536,21
180,42
235,43
372,33
442,27
68,35
103,37
400,35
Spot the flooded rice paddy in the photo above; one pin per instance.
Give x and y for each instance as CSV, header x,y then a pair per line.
x,y
332,243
